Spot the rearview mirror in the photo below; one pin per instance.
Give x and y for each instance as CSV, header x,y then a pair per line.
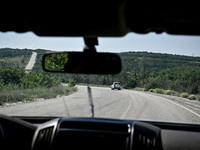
x,y
82,62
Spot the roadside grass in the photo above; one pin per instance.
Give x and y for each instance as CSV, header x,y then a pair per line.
x,y
23,95
140,89
171,92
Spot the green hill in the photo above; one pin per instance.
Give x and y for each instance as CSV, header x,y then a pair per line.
x,y
12,58
19,58
156,61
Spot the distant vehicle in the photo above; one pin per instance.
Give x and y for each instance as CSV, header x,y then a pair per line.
x,y
116,85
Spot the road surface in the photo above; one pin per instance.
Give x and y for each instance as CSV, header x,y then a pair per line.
x,y
31,62
120,104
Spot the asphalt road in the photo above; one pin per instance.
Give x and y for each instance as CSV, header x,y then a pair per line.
x,y
31,61
120,104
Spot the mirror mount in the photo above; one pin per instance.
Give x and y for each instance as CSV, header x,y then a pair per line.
x,y
90,43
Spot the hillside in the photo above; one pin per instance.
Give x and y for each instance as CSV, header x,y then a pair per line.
x,y
12,58
19,58
156,61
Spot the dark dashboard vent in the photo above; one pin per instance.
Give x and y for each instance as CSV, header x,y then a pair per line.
x,y
146,137
145,141
44,137
95,126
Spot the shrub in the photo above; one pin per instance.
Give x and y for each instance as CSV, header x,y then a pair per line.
x,y
184,95
131,83
67,90
192,97
151,90
72,82
159,91
11,76
194,89
36,79
168,92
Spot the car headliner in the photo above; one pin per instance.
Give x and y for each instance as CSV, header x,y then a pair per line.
x,y
100,18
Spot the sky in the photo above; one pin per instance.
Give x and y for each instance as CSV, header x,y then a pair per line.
x,y
151,42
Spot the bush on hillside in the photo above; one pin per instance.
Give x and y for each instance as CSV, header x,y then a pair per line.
x,y
184,95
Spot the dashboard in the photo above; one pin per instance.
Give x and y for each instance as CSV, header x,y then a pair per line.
x,y
95,133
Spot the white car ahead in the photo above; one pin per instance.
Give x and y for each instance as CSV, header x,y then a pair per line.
x,y
116,85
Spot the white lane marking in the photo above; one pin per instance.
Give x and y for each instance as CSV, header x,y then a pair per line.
x,y
126,111
184,108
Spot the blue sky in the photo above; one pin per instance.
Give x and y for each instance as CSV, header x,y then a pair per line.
x,y
159,43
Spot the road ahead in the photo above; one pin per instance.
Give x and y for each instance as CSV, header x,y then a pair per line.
x,y
124,104
31,62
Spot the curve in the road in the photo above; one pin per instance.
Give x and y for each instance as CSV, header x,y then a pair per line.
x,y
122,104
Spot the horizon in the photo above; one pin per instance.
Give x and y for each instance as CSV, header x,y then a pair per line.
x,y
156,43
135,51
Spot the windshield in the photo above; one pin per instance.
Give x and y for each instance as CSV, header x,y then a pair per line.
x,y
159,81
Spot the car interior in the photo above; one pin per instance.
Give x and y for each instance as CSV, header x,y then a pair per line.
x,y
90,20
